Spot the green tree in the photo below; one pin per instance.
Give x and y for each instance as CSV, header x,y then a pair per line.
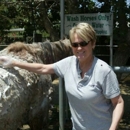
x,y
5,22
44,17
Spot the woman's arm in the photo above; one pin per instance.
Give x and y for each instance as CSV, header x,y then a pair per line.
x,y
33,67
118,105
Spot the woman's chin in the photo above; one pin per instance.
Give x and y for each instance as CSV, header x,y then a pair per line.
x,y
80,57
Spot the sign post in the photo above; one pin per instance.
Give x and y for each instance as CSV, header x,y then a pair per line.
x,y
101,22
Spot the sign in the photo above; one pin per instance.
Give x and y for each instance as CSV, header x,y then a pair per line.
x,y
101,22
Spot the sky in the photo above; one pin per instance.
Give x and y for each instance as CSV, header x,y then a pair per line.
x,y
128,2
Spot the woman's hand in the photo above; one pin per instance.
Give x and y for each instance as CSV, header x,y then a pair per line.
x,y
6,61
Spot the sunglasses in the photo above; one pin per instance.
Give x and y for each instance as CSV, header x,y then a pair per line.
x,y
81,44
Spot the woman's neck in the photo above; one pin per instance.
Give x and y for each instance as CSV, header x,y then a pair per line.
x,y
86,65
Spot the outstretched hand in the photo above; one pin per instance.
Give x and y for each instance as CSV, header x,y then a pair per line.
x,y
6,61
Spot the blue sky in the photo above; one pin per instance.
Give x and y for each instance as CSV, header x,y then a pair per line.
x,y
128,2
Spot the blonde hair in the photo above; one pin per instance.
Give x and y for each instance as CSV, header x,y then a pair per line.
x,y
85,31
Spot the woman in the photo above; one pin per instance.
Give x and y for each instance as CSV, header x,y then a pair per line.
x,y
90,83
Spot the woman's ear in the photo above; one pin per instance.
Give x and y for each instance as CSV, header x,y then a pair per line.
x,y
93,45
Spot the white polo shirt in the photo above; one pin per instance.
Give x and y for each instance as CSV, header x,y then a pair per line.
x,y
89,97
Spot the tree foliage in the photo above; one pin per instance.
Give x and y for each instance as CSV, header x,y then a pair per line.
x,y
44,16
5,22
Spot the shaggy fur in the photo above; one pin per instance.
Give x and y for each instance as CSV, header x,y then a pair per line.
x,y
20,47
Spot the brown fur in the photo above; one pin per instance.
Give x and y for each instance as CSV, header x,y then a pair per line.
x,y
20,48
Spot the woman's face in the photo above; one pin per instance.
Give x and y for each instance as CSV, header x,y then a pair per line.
x,y
82,52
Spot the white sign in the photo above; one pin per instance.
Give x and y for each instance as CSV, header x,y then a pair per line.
x,y
101,22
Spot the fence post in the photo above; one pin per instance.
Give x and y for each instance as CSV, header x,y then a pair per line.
x,y
61,104
61,81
